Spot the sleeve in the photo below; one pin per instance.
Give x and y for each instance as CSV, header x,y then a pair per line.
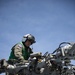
x,y
18,52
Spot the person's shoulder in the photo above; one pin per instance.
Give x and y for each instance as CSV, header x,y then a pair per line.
x,y
19,44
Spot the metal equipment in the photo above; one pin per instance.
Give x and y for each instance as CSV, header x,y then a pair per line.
x,y
56,63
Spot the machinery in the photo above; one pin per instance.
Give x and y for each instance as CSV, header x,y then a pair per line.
x,y
56,63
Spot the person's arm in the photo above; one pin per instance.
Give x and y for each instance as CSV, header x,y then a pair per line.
x,y
18,52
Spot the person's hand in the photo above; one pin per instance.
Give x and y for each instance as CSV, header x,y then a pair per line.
x,y
24,61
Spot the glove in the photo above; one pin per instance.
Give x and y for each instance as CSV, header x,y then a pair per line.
x,y
24,61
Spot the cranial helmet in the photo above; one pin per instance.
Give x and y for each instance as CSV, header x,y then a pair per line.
x,y
28,37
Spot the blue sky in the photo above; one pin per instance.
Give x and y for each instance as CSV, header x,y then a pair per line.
x,y
50,21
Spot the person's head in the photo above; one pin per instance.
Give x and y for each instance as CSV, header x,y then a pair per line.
x,y
28,39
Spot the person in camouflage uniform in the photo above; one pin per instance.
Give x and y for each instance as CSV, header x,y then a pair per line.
x,y
21,51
